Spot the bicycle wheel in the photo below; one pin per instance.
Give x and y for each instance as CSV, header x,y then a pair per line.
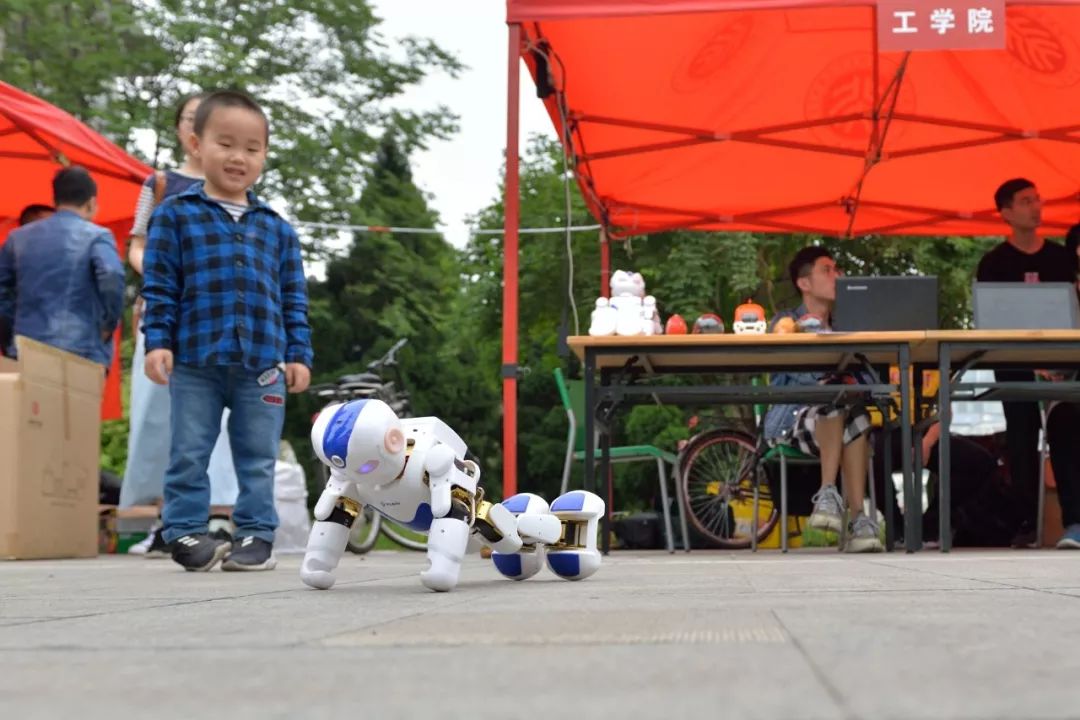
x,y
364,532
719,469
404,537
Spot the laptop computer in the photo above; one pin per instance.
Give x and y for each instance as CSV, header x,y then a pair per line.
x,y
902,302
1025,306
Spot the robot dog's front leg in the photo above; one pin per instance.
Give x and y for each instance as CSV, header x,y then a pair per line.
x,y
454,510
335,512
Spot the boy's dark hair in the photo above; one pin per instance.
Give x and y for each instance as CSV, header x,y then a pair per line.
x,y
226,99
30,213
803,263
73,186
1003,197
1072,238
183,104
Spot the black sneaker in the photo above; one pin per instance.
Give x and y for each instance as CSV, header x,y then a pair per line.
x,y
250,553
198,553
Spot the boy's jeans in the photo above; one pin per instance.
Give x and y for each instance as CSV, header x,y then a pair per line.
x,y
258,413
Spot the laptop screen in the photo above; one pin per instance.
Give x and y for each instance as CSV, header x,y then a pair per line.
x,y
1025,306
902,302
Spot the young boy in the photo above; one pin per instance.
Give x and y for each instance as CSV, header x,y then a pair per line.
x,y
226,326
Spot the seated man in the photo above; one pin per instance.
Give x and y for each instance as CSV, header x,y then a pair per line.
x,y
35,212
970,467
835,435
1027,257
29,214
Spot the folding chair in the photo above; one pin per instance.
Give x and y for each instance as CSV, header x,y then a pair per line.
x,y
574,404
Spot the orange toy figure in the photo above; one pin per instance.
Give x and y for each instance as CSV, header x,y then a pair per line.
x,y
709,323
749,319
675,325
785,325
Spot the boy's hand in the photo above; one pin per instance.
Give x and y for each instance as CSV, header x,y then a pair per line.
x,y
297,377
159,365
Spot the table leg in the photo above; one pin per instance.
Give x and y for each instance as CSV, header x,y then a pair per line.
x,y
945,420
590,420
912,496
605,467
887,481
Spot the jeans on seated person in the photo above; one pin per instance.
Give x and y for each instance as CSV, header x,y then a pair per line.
x,y
149,438
258,413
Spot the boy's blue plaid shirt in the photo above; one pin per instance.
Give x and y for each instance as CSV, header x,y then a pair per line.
x,y
224,292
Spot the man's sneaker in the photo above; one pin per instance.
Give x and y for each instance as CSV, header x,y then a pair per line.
x,y
250,553
1025,537
828,511
1071,539
199,553
863,535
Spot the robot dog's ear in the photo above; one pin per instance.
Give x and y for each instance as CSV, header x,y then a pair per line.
x,y
394,440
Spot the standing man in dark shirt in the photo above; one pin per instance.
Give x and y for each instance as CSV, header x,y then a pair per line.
x,y
1026,257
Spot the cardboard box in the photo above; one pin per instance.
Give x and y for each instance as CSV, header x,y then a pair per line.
x,y
50,428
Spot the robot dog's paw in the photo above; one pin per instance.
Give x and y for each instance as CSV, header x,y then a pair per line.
x,y
574,556
520,565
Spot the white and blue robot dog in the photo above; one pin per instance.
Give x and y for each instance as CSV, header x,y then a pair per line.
x,y
414,472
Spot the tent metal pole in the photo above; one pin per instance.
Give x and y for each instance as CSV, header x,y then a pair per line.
x,y
605,264
510,266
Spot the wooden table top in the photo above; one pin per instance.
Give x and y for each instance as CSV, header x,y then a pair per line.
x,y
822,349
747,351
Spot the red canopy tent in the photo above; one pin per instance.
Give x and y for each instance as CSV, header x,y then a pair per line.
x,y
36,139
787,116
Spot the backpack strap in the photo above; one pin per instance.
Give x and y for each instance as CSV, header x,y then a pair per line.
x,y
159,186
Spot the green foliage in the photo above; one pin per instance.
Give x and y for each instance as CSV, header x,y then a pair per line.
x,y
321,69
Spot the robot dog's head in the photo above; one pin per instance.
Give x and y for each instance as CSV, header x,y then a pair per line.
x,y
362,439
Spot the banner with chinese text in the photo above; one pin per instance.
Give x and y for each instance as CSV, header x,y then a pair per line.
x,y
940,25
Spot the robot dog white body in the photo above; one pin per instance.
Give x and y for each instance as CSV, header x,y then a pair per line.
x,y
414,472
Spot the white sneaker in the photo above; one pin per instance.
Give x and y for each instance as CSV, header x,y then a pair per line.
x,y
828,513
141,547
863,536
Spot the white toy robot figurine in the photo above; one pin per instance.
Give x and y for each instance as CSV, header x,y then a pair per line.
x,y
414,472
627,296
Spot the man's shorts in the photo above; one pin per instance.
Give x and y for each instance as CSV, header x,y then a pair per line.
x,y
802,434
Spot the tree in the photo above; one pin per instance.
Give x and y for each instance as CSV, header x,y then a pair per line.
x,y
321,69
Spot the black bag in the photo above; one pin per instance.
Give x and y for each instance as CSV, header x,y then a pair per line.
x,y
640,531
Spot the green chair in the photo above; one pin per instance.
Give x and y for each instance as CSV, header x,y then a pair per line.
x,y
573,399
786,454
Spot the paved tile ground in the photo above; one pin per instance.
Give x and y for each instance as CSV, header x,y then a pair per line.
x,y
813,634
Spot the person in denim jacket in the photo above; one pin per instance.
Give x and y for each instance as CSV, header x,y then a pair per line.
x,y
837,435
61,280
